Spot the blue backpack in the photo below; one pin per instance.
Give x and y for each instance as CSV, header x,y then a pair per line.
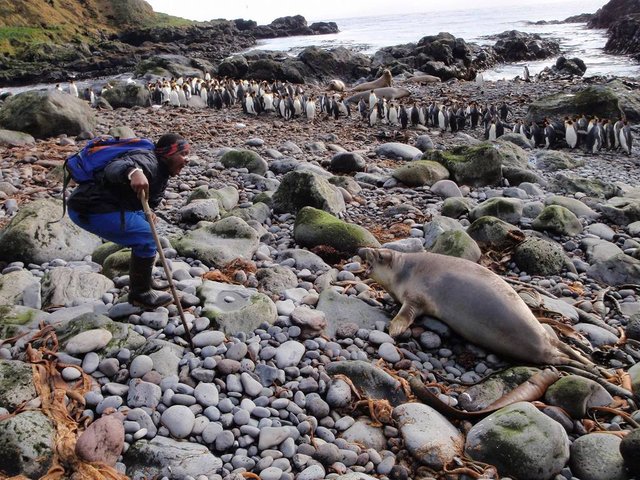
x,y
95,156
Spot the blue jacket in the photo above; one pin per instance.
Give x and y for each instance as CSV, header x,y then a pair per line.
x,y
112,192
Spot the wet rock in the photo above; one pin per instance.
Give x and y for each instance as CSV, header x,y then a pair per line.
x,y
27,444
16,384
596,456
300,189
557,220
457,243
537,256
420,173
576,395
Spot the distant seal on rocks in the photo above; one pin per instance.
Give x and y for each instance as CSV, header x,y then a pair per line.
x,y
390,93
424,79
475,302
337,85
383,81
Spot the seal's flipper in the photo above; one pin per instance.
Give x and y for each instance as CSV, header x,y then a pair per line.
x,y
403,319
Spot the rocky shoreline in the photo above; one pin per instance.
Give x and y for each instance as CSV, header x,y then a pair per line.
x,y
293,374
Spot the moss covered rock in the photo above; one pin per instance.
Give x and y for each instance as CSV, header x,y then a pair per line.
x,y
300,189
552,160
507,209
259,212
245,159
558,220
122,334
456,207
521,442
576,395
456,243
420,172
580,209
315,227
16,319
537,256
26,444
228,197
101,253
31,237
593,187
16,384
593,100
13,284
216,244
117,264
492,233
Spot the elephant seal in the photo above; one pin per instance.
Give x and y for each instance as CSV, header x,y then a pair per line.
x,y
390,93
475,302
383,81
337,85
424,79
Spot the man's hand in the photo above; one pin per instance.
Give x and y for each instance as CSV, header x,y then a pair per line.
x,y
139,183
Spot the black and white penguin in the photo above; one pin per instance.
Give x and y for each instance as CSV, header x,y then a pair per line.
x,y
403,116
570,133
593,140
617,127
443,120
537,135
373,100
624,138
415,115
363,110
474,114
525,74
310,108
504,111
392,114
549,135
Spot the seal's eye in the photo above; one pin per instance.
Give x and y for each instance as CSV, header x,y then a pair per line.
x,y
384,256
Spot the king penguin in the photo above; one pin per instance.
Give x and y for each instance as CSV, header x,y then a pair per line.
x,y
624,138
570,133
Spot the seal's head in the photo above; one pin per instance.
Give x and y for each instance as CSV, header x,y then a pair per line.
x,y
380,264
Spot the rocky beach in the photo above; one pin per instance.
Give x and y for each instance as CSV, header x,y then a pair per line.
x,y
289,371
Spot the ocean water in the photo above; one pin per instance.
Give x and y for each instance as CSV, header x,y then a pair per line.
x,y
369,34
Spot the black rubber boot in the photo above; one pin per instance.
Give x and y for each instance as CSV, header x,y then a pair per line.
x,y
140,292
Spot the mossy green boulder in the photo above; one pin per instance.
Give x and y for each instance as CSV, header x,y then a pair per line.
x,y
593,187
16,384
122,334
15,319
245,159
27,444
228,197
101,253
507,209
557,220
300,189
456,207
494,234
314,227
594,100
457,243
552,160
575,395
420,173
580,209
117,264
479,165
216,244
521,442
538,256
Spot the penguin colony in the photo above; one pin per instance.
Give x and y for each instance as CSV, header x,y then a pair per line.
x,y
290,101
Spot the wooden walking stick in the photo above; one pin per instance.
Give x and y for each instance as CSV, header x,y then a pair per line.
x,y
176,299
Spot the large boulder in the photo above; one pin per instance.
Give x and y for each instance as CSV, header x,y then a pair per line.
x,y
216,244
234,308
507,209
420,173
235,66
300,189
27,444
340,61
558,220
68,286
31,237
478,165
521,442
176,65
16,384
593,187
612,12
245,159
127,96
492,233
47,113
314,227
11,138
593,100
457,243
538,256
515,46
167,457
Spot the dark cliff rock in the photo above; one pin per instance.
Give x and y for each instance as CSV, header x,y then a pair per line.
x,y
514,46
622,19
624,37
612,12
